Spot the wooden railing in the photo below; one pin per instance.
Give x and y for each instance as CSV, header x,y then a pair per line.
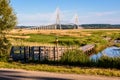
x,y
87,48
39,53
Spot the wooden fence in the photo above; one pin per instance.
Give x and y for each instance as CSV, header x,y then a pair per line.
x,y
41,53
38,53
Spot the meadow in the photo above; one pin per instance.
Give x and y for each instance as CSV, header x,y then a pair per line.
x,y
102,38
77,62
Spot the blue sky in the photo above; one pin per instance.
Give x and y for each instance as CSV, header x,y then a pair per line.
x,y
42,12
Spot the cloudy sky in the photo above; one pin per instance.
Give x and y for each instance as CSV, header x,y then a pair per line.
x,y
42,12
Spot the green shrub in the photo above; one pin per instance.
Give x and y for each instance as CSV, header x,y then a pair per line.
x,y
4,48
75,57
78,58
108,62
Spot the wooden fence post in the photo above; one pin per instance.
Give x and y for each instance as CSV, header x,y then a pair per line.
x,y
48,53
39,53
29,51
57,52
25,54
32,51
54,52
20,50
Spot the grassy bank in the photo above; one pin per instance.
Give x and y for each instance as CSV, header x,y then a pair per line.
x,y
60,69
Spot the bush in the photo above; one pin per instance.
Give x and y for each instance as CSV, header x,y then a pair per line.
x,y
78,58
107,62
75,57
4,48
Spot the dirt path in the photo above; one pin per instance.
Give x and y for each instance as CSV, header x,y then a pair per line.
x,y
13,74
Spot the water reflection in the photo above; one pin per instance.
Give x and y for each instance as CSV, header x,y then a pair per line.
x,y
110,52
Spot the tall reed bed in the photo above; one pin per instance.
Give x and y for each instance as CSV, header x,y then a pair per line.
x,y
78,58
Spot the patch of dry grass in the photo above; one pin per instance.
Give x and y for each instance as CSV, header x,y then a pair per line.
x,y
17,36
23,43
72,32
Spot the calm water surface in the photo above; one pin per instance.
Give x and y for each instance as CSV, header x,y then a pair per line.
x,y
110,52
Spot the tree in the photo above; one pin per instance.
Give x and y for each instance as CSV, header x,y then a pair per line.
x,y
8,21
7,16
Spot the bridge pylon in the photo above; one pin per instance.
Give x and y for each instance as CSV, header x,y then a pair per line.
x,y
58,19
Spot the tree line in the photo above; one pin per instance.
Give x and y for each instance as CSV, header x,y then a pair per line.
x,y
100,26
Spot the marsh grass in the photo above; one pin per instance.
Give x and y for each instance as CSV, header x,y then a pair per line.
x,y
68,37
75,57
78,58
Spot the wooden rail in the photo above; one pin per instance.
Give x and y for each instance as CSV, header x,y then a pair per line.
x,y
39,53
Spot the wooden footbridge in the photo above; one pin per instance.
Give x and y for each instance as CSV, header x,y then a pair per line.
x,y
41,53
87,48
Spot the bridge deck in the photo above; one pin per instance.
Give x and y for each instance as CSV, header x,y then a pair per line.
x,y
87,47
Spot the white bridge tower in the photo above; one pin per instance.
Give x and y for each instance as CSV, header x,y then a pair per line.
x,y
58,19
76,20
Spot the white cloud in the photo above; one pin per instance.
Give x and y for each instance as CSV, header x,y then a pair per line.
x,y
67,17
100,14
43,18
105,13
35,19
110,17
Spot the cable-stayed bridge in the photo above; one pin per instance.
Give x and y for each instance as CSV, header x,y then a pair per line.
x,y
58,24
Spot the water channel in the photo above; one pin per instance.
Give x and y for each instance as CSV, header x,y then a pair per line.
x,y
110,52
